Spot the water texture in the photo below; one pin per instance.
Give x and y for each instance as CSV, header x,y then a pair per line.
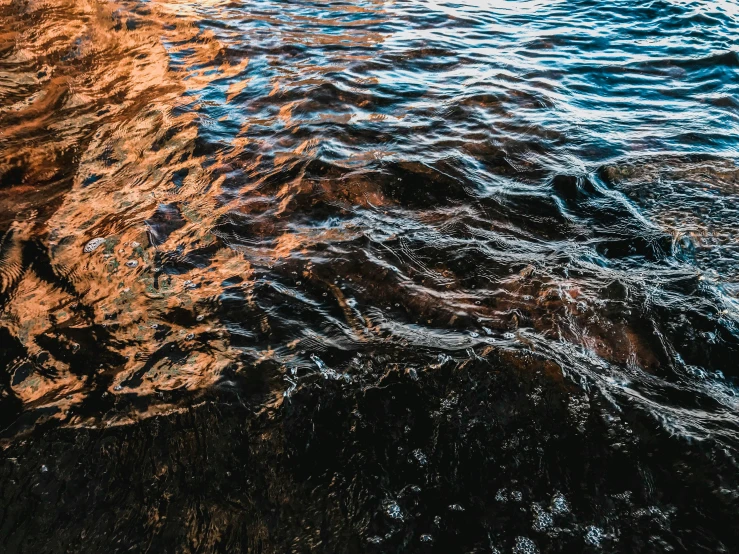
x,y
369,276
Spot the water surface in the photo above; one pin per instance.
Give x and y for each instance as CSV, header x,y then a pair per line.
x,y
369,276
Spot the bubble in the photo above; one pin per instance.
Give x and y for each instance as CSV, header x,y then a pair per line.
x,y
132,263
626,495
44,469
509,336
419,456
189,336
200,318
117,388
542,519
135,244
474,335
392,510
427,538
559,504
501,495
525,545
94,244
593,535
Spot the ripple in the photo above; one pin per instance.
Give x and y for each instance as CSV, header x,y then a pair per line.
x,y
480,251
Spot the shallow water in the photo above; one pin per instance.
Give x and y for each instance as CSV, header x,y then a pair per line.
x,y
369,276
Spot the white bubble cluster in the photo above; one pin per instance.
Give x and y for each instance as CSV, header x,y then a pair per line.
x,y
593,535
559,504
525,545
94,244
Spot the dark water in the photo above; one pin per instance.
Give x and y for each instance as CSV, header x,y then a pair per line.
x,y
369,276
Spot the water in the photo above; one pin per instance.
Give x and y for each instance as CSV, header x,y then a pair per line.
x,y
369,276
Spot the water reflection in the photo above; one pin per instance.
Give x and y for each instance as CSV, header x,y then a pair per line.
x,y
482,233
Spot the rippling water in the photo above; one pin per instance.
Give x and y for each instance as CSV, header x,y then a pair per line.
x,y
369,276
